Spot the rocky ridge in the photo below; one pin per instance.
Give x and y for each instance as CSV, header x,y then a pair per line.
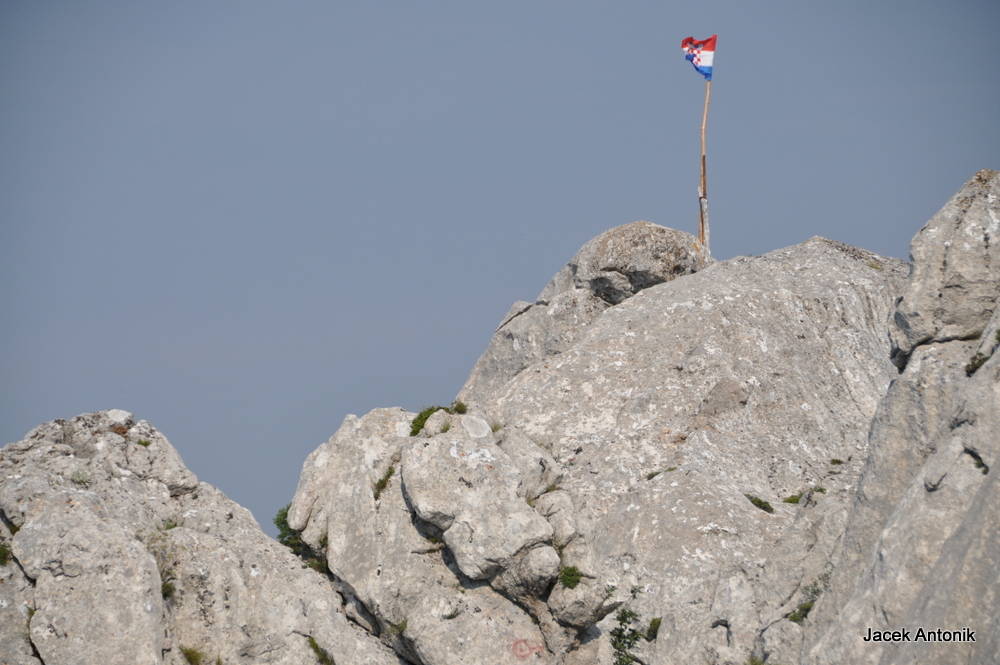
x,y
663,459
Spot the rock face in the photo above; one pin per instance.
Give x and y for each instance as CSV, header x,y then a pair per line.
x,y
921,547
606,271
955,281
662,460
120,555
635,454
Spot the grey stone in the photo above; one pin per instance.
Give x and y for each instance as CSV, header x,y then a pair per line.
x,y
626,259
388,555
917,551
128,558
747,377
953,289
537,470
467,488
610,268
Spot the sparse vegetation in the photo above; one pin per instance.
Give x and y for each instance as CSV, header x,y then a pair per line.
x,y
669,469
754,660
793,498
819,490
812,592
421,419
495,425
167,590
653,630
321,655
145,443
169,524
193,656
977,361
760,503
609,591
5,554
570,576
801,612
451,615
875,265
446,426
552,488
286,535
836,461
383,482
81,477
398,628
316,564
624,637
652,474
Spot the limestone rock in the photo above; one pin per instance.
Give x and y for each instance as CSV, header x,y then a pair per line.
x,y
746,378
954,286
397,557
129,559
921,549
610,268
626,259
467,489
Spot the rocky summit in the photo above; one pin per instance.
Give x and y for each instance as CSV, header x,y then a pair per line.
x,y
789,458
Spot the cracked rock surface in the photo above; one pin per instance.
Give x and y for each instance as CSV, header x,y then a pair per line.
x,y
663,458
120,555
921,546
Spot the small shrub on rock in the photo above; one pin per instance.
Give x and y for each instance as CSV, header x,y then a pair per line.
x,y
286,535
321,655
383,482
81,477
760,503
653,630
570,576
193,656
624,637
977,361
421,419
5,554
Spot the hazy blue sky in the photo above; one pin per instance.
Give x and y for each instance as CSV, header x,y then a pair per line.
x,y
242,220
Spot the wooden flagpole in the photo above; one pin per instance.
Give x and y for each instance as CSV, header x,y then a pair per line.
x,y
703,230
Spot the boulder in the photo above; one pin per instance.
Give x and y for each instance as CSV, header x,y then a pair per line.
x,y
607,270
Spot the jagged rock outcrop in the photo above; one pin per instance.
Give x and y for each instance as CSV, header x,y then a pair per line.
x,y
664,456
921,545
606,271
956,271
664,412
119,555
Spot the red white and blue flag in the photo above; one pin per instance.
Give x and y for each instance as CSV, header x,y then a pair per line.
x,y
700,53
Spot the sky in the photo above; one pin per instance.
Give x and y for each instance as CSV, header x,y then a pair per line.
x,y
242,221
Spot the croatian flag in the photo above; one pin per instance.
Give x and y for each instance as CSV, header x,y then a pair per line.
x,y
700,53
